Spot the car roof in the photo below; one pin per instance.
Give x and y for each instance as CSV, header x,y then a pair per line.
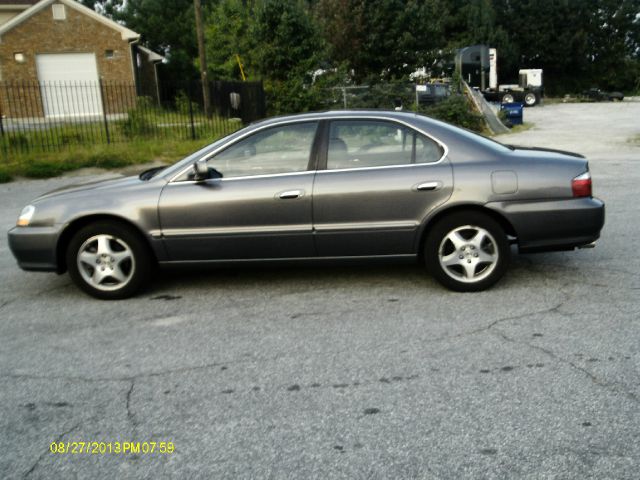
x,y
328,114
415,119
442,131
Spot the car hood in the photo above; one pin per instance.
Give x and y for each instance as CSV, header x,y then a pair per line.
x,y
85,187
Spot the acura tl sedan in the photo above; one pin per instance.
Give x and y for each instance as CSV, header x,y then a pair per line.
x,y
348,185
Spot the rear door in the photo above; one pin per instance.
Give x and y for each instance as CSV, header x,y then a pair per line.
x,y
380,181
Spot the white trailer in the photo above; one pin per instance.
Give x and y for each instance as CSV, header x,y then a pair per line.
x,y
479,63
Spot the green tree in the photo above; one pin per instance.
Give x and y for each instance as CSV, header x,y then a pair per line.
x,y
613,42
228,27
166,26
288,50
578,44
342,25
382,39
288,42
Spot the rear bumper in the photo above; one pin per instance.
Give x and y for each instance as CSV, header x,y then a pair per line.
x,y
553,224
35,247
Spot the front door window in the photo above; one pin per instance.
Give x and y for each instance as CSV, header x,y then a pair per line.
x,y
277,150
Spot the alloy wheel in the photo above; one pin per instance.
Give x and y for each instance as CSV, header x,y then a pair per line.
x,y
106,262
468,254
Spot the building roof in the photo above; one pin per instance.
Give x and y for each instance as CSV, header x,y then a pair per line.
x,y
127,34
153,56
17,2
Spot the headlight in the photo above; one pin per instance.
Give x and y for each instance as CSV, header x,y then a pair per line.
x,y
25,215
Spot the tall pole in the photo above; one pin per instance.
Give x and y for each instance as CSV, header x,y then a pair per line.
x,y
197,5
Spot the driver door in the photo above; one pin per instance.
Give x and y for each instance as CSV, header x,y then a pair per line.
x,y
260,207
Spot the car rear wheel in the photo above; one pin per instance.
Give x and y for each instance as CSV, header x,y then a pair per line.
x,y
530,99
108,260
467,251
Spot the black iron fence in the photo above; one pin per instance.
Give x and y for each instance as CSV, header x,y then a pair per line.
x,y
37,116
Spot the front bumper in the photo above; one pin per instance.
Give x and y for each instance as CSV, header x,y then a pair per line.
x,y
553,224
35,248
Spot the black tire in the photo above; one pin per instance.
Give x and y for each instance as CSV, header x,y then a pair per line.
x,y
463,225
129,259
530,99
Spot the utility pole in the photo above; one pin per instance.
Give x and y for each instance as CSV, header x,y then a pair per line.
x,y
197,6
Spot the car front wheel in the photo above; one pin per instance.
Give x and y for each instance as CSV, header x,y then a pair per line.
x,y
108,261
467,251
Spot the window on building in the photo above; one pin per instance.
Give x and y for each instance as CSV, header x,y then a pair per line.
x,y
59,12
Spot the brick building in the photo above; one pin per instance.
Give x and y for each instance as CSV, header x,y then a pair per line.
x,y
59,58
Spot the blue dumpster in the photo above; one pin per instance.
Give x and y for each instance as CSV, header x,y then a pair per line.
x,y
513,112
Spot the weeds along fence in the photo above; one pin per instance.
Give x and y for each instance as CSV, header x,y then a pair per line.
x,y
43,117
382,95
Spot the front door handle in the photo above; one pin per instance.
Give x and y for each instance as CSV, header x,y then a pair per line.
x,y
290,194
428,186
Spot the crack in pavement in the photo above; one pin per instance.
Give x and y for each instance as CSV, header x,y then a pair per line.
x,y
594,378
558,268
487,328
35,294
130,414
556,309
58,439
132,378
97,410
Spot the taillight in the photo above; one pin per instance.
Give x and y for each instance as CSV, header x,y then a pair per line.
x,y
581,185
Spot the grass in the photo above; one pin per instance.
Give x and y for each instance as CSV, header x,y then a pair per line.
x,y
520,128
52,164
144,135
137,126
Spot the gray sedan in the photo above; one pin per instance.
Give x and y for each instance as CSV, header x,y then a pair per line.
x,y
351,185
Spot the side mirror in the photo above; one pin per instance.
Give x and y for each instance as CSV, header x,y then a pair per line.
x,y
200,170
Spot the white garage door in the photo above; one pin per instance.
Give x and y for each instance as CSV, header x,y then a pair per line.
x,y
69,84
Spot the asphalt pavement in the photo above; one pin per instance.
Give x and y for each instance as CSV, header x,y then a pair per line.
x,y
341,372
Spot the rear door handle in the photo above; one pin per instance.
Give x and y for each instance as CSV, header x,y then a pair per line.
x,y
428,186
290,194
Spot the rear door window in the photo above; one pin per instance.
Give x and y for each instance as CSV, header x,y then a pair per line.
x,y
373,143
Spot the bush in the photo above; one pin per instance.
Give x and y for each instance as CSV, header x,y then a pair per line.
x,y
183,102
43,168
458,111
382,95
137,123
5,176
290,96
18,142
70,138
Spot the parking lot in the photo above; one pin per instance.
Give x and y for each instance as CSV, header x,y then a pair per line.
x,y
342,372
